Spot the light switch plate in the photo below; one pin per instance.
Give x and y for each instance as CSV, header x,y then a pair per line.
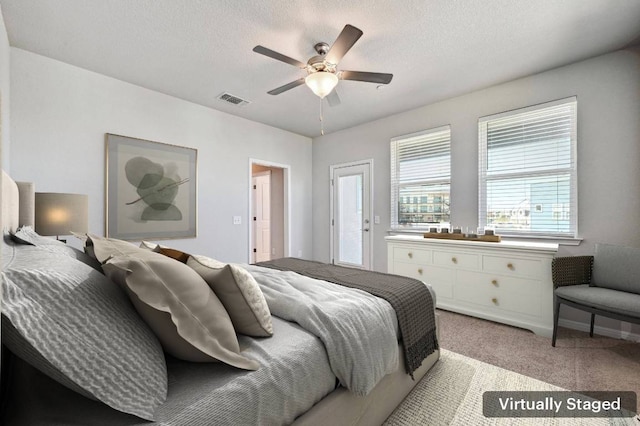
x,y
237,220
376,220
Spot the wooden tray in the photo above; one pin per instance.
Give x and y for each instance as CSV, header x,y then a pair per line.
x,y
452,236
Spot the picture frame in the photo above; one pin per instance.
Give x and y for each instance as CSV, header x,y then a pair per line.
x,y
150,189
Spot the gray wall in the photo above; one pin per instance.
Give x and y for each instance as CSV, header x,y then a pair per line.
x,y
5,87
608,91
60,114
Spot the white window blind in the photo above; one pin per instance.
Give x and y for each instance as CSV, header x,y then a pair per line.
x,y
527,181
421,178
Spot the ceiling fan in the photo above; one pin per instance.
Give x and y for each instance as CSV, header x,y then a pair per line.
x,y
322,73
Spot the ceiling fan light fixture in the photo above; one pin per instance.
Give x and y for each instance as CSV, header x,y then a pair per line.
x,y
321,82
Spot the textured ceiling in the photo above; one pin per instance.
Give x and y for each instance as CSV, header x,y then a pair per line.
x,y
197,49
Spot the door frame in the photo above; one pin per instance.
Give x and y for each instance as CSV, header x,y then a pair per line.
x,y
332,168
286,172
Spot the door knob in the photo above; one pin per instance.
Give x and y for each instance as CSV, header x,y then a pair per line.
x,y
366,221
366,229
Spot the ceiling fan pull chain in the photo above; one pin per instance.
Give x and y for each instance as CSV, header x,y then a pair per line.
x,y
321,119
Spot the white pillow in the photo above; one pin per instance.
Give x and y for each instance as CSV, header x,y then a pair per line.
x,y
102,248
239,293
179,307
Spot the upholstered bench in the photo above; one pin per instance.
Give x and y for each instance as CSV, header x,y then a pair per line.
x,y
606,284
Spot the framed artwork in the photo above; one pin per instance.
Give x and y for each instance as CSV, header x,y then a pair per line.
x,y
151,189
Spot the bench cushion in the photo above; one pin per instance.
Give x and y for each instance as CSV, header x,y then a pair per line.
x,y
616,268
602,298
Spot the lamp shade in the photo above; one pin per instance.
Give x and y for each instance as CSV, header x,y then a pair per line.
x,y
321,82
59,214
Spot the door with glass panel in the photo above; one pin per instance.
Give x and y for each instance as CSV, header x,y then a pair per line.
x,y
351,210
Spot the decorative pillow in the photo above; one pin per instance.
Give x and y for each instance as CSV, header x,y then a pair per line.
x,y
150,246
239,293
73,324
169,252
178,255
16,239
616,267
104,248
27,235
180,308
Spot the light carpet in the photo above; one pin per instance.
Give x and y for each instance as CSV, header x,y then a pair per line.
x,y
451,394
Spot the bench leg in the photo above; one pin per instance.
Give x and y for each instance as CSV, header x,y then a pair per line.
x,y
556,315
593,318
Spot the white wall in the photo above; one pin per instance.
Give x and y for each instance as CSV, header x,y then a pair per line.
x,y
608,91
5,88
60,114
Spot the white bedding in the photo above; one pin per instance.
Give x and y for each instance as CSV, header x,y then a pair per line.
x,y
359,331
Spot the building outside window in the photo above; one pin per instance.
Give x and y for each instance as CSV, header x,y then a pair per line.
x,y
528,171
421,178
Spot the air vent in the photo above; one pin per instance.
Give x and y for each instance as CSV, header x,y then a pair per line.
x,y
232,99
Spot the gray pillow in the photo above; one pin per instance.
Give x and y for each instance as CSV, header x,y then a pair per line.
x,y
617,268
239,293
27,235
78,327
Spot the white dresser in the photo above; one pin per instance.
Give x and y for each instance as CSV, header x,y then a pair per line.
x,y
508,282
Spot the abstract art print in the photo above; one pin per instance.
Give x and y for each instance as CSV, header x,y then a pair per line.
x,y
151,189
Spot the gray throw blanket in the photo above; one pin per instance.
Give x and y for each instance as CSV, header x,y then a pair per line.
x,y
410,298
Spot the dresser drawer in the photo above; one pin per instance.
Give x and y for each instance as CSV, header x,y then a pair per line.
x,y
412,270
504,283
513,266
411,255
458,260
498,300
440,279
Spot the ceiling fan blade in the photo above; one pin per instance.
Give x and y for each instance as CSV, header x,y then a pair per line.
x,y
333,98
369,77
343,43
278,56
286,87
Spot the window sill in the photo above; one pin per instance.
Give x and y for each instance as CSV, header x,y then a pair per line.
x,y
556,240
563,241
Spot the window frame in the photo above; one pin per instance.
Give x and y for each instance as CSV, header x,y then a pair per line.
x,y
395,180
571,170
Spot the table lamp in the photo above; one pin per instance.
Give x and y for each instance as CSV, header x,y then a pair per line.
x,y
59,214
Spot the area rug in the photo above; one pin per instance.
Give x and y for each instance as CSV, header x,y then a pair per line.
x,y
451,394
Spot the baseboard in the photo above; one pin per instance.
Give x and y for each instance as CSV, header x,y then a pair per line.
x,y
603,331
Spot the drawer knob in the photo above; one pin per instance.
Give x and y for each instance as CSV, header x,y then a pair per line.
x,y
510,266
420,271
454,260
495,300
494,282
410,255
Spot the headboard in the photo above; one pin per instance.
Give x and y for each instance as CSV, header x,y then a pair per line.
x,y
18,203
18,208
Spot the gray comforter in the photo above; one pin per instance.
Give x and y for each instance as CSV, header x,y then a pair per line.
x,y
358,330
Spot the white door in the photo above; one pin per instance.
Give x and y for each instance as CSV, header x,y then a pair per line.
x,y
351,210
262,216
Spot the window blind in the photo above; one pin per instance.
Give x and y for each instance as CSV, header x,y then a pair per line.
x,y
528,170
420,178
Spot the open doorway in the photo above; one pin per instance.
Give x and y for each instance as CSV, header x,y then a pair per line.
x,y
268,211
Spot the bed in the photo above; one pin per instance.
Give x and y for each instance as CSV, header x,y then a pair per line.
x,y
304,377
